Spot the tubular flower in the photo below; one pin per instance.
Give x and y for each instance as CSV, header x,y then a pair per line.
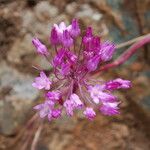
x,y
75,29
40,48
89,113
45,109
42,82
110,108
69,86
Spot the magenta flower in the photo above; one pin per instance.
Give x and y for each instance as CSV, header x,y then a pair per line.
x,y
73,86
93,63
88,36
61,28
99,96
67,41
54,38
95,92
73,103
40,48
118,84
45,109
76,101
107,51
75,29
69,105
42,82
53,95
110,108
89,113
61,34
56,113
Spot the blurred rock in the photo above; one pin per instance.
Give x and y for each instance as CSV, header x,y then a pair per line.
x,y
59,142
59,4
120,130
71,8
35,27
42,147
145,104
10,23
137,66
45,12
5,1
87,11
142,100
121,7
28,21
143,81
32,3
16,103
20,48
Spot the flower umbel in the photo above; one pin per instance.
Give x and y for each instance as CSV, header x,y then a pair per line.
x,y
70,85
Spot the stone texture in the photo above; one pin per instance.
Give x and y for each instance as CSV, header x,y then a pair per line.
x,y
16,102
21,48
45,12
142,100
37,21
145,104
32,25
71,8
131,26
87,11
10,22
58,142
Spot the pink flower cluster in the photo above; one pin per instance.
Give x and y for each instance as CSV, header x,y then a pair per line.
x,y
70,86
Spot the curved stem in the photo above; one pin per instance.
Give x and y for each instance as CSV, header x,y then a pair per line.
x,y
132,41
36,137
126,55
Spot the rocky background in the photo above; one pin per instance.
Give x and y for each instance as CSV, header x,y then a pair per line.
x,y
117,20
